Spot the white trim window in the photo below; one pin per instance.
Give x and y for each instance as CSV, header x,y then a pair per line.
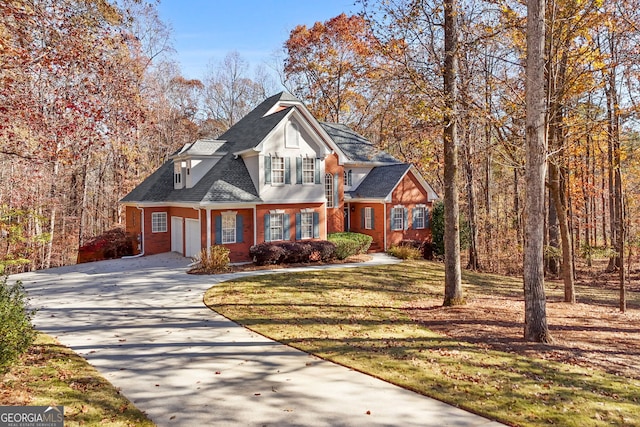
x,y
328,189
277,170
306,225
397,218
276,226
308,170
228,228
419,215
158,222
368,218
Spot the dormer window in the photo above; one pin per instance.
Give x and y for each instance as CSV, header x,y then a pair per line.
x,y
179,168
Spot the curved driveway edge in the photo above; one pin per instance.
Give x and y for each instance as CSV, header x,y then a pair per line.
x,y
142,323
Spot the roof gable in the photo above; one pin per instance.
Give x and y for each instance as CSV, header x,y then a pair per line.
x,y
382,180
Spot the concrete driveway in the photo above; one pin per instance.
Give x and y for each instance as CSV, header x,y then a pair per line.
x,y
142,323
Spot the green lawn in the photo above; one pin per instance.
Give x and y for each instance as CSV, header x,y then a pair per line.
x,y
51,374
355,317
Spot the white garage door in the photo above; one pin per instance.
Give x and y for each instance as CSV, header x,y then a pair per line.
x,y
176,234
192,234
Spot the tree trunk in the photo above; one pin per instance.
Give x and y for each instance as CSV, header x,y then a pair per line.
x,y
557,191
474,261
535,322
453,283
551,259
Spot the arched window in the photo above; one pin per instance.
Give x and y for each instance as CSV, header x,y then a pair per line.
x,y
328,189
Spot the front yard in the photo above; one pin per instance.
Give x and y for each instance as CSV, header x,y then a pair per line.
x,y
388,321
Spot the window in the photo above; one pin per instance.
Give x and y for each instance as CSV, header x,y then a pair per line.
x,y
228,228
419,215
292,137
397,218
368,218
277,227
308,171
306,225
178,178
328,189
277,170
158,222
348,178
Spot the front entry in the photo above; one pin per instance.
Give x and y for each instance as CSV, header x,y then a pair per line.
x,y
192,234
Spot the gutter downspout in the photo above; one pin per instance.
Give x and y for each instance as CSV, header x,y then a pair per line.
x,y
142,235
208,211
255,225
384,216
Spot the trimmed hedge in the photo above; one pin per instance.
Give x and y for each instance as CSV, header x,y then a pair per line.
x,y
292,252
348,244
425,247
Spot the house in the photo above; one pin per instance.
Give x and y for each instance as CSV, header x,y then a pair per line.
x,y
278,174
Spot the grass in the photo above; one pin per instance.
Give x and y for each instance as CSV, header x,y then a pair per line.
x,y
51,374
355,317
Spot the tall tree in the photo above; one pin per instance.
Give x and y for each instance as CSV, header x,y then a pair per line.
x,y
453,283
535,324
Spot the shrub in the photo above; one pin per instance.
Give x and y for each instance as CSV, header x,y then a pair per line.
x,y
266,254
323,249
214,260
16,330
348,244
405,252
114,243
292,252
437,229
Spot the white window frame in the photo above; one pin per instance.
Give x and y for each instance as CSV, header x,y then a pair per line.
x,y
292,136
397,214
368,218
328,189
308,170
422,218
276,229
228,228
306,225
158,222
277,170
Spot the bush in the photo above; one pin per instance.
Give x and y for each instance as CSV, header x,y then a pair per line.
x,y
266,254
323,250
214,260
16,330
292,252
405,252
348,244
114,243
437,229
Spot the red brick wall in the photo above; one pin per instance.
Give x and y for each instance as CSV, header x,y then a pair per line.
x,y
133,226
408,193
238,251
335,215
292,210
155,243
377,233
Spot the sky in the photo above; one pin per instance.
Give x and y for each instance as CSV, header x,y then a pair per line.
x,y
205,31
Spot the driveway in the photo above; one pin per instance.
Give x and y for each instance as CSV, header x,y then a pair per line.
x,y
142,323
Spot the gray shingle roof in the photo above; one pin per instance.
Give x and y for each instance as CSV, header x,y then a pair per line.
x,y
355,146
229,179
380,182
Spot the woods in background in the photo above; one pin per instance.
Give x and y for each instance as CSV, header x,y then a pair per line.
x,y
92,102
